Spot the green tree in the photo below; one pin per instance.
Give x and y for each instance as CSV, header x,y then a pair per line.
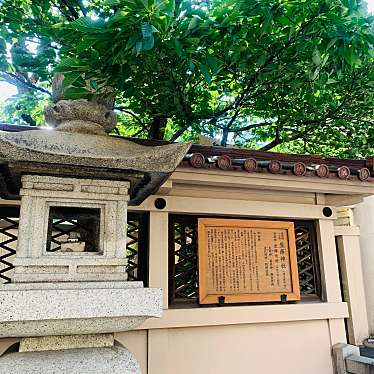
x,y
294,76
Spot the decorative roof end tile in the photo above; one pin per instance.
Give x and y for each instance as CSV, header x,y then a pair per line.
x,y
299,169
275,166
344,172
223,162
322,171
250,165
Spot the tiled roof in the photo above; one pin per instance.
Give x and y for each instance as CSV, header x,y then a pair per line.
x,y
278,163
251,161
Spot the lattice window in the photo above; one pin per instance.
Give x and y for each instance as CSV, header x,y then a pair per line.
x,y
185,260
307,258
183,272
67,222
136,246
8,241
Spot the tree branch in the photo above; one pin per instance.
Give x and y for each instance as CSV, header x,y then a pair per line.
x,y
250,127
144,128
18,81
227,127
252,80
132,114
71,9
68,16
179,132
271,145
81,7
278,141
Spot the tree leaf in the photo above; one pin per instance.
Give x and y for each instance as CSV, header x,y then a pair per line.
x,y
75,93
213,63
148,43
193,23
178,47
69,64
166,6
350,55
93,84
112,2
70,78
139,47
84,23
316,57
85,44
205,71
146,30
120,16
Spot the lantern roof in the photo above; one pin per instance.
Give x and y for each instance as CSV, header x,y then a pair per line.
x,y
84,155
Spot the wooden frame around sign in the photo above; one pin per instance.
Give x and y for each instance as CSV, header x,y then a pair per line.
x,y
214,297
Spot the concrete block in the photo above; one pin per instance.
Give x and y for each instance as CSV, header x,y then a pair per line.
x,y
341,351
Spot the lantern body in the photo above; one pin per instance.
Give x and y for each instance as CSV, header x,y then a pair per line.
x,y
71,229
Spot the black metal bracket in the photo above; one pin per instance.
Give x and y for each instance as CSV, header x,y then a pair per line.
x,y
283,299
221,300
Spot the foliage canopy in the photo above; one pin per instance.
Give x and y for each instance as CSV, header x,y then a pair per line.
x,y
272,74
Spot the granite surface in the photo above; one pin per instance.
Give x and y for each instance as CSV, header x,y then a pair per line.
x,y
30,311
80,116
61,342
58,147
114,360
41,193
72,285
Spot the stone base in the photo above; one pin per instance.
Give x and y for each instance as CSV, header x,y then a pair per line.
x,y
114,360
62,342
43,309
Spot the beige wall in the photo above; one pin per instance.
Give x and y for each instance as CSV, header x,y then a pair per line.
x,y
364,217
136,342
349,250
262,348
283,348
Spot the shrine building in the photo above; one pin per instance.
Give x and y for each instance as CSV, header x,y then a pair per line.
x,y
239,259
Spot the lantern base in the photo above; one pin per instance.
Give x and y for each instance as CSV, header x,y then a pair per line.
x,y
114,360
75,308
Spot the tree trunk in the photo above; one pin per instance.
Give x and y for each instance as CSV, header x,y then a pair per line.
x,y
158,127
224,137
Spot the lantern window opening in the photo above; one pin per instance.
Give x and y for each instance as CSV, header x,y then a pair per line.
x,y
74,230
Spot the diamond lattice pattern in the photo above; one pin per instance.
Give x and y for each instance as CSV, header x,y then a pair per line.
x,y
8,242
185,273
136,229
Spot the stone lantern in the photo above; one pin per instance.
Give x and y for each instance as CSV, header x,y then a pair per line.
x,y
69,293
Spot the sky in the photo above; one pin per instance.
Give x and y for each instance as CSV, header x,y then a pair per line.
x,y
7,90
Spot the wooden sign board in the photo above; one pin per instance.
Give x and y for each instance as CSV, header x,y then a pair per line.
x,y
246,261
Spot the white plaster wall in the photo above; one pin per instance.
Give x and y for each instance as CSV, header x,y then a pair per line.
x,y
364,217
